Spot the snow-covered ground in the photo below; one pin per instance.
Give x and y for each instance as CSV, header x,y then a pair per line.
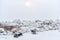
x,y
31,30
47,35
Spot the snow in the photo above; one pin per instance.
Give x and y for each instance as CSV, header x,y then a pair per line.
x,y
47,35
42,29
1,29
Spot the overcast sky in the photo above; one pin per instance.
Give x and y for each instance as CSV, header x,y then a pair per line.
x,y
36,9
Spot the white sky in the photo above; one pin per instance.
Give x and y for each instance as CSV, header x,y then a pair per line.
x,y
38,9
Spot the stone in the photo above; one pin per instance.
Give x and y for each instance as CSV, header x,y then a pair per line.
x,y
17,35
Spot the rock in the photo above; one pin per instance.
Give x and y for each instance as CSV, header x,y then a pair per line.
x,y
33,31
1,31
17,35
